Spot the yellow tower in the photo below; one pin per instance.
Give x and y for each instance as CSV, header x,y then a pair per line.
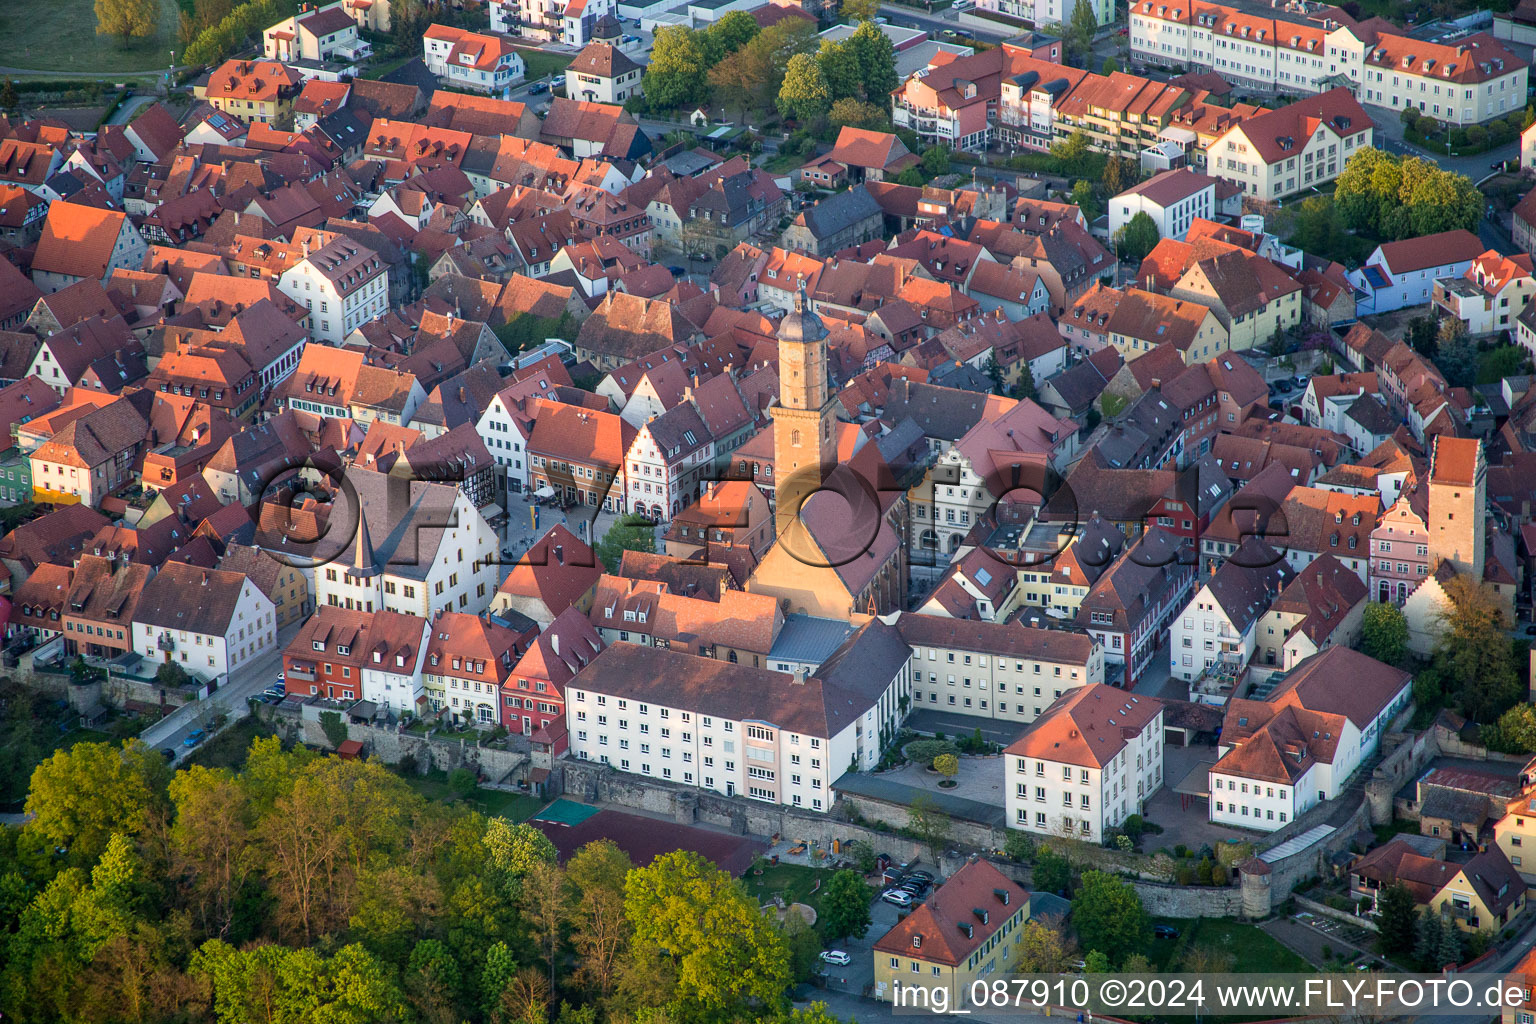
x,y
804,450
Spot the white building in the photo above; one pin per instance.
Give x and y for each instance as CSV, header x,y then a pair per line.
x,y
741,731
1173,199
208,621
505,429
1401,274
1217,627
326,33
1297,147
1280,757
1301,48
342,284
602,74
555,21
472,61
1003,670
1073,772
669,460
392,661
1047,12
419,548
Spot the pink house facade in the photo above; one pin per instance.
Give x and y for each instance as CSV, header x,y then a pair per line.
x,y
1400,548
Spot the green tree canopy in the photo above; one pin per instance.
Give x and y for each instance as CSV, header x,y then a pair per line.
x,y
805,95
1044,948
845,906
1138,237
877,61
729,34
80,796
1395,919
929,825
839,64
1384,633
1109,917
858,114
1053,872
130,19
727,953
1392,197
1473,654
676,75
630,533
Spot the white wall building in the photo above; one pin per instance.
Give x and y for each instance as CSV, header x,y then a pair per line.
x,y
342,284
1086,765
392,663
1284,755
208,621
736,730
1173,199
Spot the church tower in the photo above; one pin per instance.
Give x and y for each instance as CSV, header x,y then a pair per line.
x,y
804,450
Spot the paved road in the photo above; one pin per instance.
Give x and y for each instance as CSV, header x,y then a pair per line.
x,y
935,24
250,678
127,110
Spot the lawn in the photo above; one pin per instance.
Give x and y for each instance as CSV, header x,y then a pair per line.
x,y
794,881
60,35
491,802
1255,951
228,748
541,63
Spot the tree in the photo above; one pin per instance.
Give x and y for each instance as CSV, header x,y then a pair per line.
x,y
858,114
1044,948
676,74
1395,919
1119,175
773,47
726,952
79,797
1018,846
1515,732
1138,237
1423,336
1083,197
729,34
630,533
1110,66
1317,227
912,176
1384,633
130,19
845,906
543,902
1081,28
1206,959
856,12
1053,872
1409,115
839,64
805,95
1109,917
8,97
1024,387
433,981
928,825
599,929
1095,963
877,61
1450,950
936,161
1426,943
1473,655
947,765
514,849
1457,354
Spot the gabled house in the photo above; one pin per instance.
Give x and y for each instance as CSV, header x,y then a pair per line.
x,y
84,243
1216,634
208,621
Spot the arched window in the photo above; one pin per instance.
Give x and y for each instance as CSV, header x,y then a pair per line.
x,y
794,438
731,657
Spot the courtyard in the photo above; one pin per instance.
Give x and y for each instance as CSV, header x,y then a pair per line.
x,y
1185,821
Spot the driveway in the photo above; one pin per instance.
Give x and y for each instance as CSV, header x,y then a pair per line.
x,y
951,725
245,681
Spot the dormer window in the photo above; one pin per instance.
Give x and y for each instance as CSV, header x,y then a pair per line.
x,y
318,645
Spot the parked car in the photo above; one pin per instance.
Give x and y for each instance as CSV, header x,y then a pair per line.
x,y
538,87
897,897
169,753
1285,387
924,875
836,956
949,33
677,271
194,738
1164,931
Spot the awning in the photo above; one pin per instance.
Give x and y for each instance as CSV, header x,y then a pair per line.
x,y
543,492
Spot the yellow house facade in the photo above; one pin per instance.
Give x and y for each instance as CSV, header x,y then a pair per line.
x,y
967,930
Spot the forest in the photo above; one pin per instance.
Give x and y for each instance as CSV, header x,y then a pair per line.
x,y
307,888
